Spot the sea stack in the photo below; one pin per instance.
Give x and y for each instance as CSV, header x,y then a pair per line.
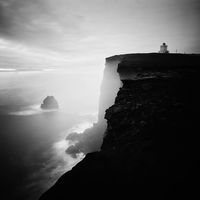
x,y
49,103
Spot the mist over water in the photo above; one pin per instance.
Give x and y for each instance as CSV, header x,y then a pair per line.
x,y
33,141
77,91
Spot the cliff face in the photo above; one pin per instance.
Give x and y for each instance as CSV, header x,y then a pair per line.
x,y
151,144
110,85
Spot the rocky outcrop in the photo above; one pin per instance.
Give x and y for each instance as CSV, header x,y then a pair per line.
x,y
151,145
49,103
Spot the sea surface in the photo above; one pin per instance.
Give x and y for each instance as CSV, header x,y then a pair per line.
x,y
32,141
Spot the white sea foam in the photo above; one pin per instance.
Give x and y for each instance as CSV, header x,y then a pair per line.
x,y
30,110
60,146
59,161
80,128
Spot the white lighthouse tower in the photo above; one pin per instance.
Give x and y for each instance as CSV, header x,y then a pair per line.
x,y
163,48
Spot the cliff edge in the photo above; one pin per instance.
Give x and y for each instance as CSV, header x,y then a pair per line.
x,y
151,143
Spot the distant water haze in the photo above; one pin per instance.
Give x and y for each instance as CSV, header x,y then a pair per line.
x,y
33,141
76,91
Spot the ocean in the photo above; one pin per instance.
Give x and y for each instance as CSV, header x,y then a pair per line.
x,y
33,141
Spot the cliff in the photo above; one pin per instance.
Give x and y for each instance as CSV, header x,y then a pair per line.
x,y
151,143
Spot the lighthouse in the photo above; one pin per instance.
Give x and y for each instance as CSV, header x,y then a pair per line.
x,y
163,48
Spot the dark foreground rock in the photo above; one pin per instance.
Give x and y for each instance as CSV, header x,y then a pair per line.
x,y
49,103
151,145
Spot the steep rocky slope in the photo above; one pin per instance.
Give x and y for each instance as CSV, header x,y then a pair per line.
x,y
151,144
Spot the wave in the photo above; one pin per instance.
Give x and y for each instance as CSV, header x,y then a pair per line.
x,y
80,128
30,110
58,162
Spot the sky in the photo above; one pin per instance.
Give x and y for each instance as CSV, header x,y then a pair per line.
x,y
49,32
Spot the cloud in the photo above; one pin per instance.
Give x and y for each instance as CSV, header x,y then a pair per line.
x,y
39,23
96,27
